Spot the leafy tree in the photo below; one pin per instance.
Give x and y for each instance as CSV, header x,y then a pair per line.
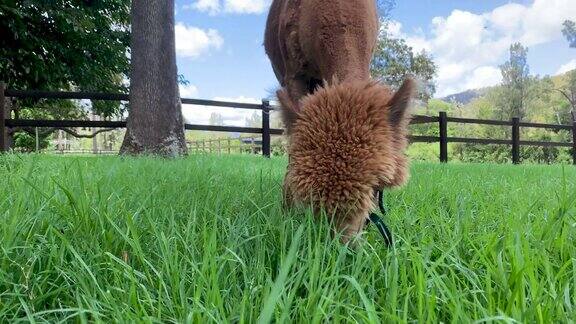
x,y
155,124
568,92
63,45
569,32
255,120
384,8
216,119
516,79
27,142
394,60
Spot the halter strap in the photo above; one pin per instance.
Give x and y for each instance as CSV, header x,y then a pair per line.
x,y
380,225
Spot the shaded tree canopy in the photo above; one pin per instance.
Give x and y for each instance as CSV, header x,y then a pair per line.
x,y
66,45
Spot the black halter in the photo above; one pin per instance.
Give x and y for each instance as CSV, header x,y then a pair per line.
x,y
374,218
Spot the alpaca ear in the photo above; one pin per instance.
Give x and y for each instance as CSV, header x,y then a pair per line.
x,y
400,102
288,109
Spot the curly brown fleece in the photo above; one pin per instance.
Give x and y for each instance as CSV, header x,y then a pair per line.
x,y
346,140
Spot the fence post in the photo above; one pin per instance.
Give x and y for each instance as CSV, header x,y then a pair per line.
x,y
3,130
516,140
574,142
266,128
37,140
443,128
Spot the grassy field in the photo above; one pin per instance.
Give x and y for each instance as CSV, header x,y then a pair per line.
x,y
204,239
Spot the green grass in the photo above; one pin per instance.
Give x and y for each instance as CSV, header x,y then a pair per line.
x,y
204,239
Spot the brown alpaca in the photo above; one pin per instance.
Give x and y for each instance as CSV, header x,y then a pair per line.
x,y
347,134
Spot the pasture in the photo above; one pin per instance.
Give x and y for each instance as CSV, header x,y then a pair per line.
x,y
204,239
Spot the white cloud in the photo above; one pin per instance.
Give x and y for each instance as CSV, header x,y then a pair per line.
x,y
240,99
193,42
571,65
542,22
393,28
200,115
188,91
483,76
246,6
468,47
230,6
210,6
507,17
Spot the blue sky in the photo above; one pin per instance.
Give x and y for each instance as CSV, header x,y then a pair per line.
x,y
219,44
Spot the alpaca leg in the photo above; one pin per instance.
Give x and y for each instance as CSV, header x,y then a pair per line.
x,y
352,228
287,198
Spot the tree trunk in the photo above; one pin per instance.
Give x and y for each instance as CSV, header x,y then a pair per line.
x,y
155,124
60,141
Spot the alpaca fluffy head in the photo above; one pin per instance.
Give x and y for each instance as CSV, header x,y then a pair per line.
x,y
345,141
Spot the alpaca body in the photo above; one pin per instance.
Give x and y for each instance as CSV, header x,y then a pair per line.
x,y
346,133
309,41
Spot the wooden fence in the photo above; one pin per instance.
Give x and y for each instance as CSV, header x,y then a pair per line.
x,y
442,120
226,145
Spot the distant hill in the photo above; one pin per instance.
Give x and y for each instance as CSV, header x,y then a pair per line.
x,y
465,97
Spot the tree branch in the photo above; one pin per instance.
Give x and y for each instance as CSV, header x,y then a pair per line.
x,y
565,94
48,130
73,133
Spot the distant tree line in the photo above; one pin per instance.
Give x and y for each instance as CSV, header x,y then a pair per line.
x,y
546,99
100,45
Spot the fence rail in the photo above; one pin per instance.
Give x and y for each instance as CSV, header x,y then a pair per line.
x,y
242,144
266,131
